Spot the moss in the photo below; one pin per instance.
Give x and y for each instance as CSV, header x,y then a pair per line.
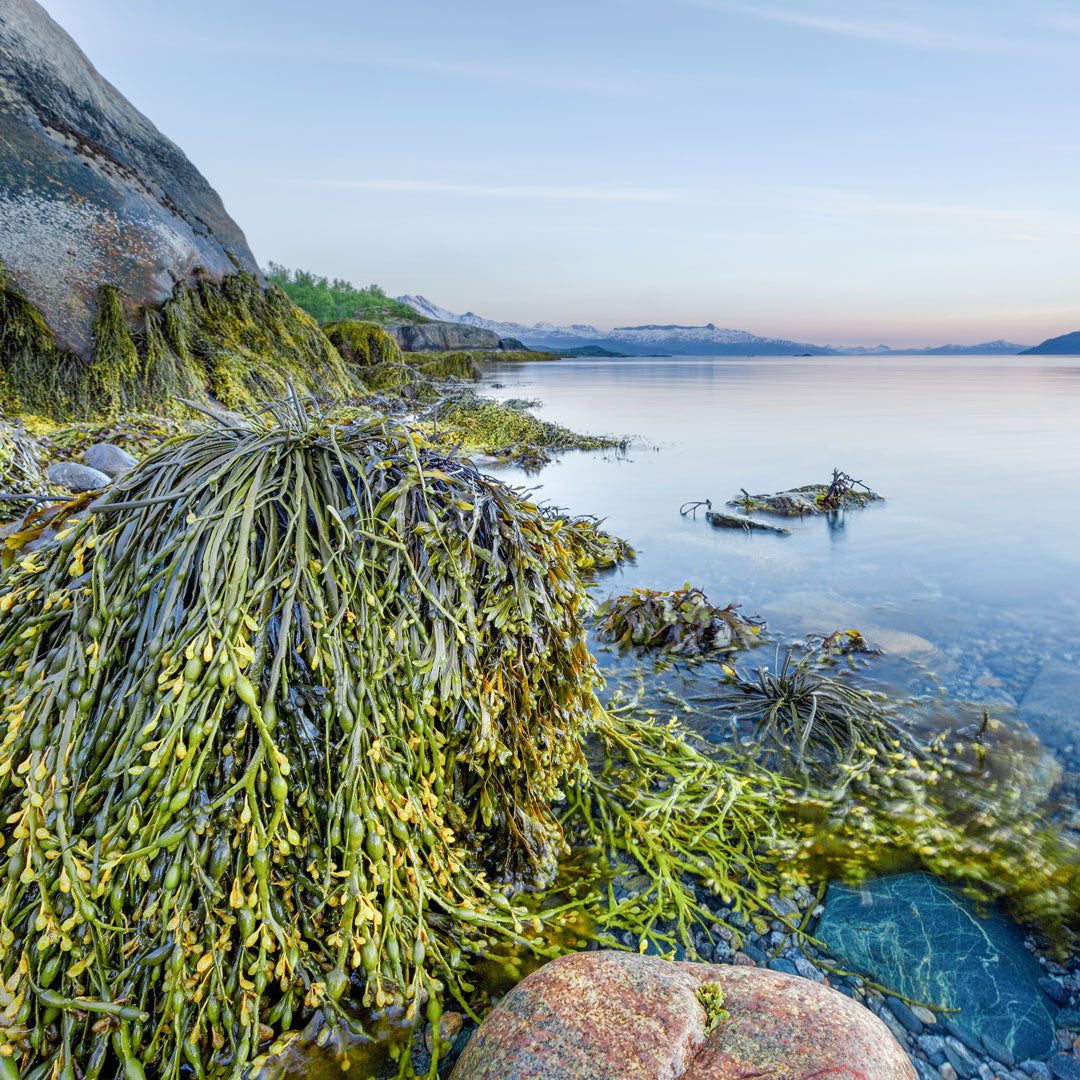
x,y
460,365
233,341
362,343
388,376
36,376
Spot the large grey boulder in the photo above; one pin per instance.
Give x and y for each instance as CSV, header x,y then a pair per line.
x,y
442,336
91,193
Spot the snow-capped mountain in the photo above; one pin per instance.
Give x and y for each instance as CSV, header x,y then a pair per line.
x,y
708,340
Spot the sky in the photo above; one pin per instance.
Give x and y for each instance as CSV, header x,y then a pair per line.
x,y
830,171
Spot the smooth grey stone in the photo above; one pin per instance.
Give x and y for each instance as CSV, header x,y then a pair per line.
x,y
1064,1067
110,459
998,1051
905,1016
77,478
1050,706
1054,990
786,966
808,970
1069,1019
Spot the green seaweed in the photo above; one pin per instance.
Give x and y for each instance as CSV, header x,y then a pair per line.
x,y
497,428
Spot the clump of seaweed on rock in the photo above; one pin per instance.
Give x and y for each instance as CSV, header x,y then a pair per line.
x,y
682,622
290,709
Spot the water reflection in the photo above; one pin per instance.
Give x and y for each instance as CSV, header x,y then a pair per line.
x,y
969,570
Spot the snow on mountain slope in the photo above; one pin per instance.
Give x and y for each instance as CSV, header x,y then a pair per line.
x,y
708,340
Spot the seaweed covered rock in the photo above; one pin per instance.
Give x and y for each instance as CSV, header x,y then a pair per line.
x,y
91,193
607,1014
124,284
233,342
841,493
504,429
362,343
459,365
680,623
278,690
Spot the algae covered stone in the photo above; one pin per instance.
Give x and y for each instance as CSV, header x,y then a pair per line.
x,y
599,1015
924,940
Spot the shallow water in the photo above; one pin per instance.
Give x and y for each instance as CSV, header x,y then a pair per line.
x,y
971,568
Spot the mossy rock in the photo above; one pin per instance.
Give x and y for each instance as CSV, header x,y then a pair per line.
x,y
362,343
234,342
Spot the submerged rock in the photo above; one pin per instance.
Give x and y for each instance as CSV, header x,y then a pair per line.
x,y
721,520
1051,706
924,940
91,193
809,499
599,1015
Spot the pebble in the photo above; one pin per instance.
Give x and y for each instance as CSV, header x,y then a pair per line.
x,y
1064,1067
1054,990
1037,1069
947,1072
998,1051
924,1014
780,964
893,1025
75,477
807,969
931,1044
109,459
906,1016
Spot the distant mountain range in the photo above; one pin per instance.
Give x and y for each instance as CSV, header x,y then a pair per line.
x,y
1066,345
708,340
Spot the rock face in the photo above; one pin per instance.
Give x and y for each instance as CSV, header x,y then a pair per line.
x,y
445,337
91,193
599,1015
921,938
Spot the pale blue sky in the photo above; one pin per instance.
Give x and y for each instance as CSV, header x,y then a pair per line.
x,y
841,171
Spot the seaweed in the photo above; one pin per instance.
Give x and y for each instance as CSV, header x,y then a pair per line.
x,y
680,623
363,344
495,428
234,341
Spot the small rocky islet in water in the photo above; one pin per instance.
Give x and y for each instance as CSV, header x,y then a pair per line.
x,y
241,824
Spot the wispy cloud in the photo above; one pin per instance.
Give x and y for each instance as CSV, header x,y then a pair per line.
x,y
907,24
531,192
1022,224
599,82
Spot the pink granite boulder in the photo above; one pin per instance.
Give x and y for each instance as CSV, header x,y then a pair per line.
x,y
608,1015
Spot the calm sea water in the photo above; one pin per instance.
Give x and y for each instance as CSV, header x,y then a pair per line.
x,y
969,571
